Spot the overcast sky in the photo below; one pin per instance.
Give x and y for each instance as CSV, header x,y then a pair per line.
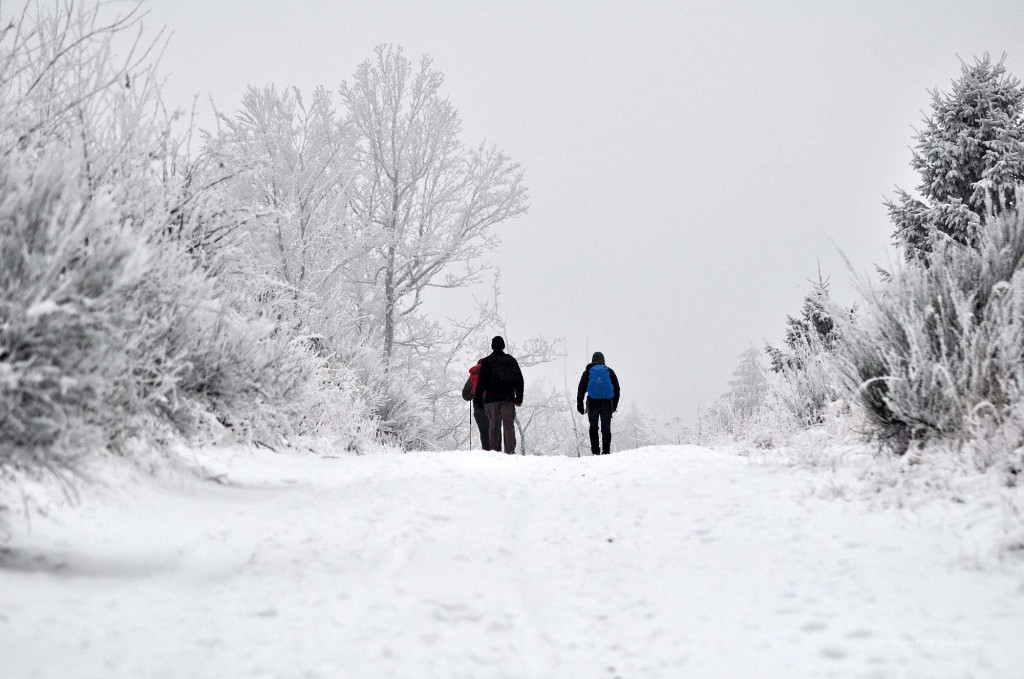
x,y
689,163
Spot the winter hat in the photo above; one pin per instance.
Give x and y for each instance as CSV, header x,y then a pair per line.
x,y
598,357
498,343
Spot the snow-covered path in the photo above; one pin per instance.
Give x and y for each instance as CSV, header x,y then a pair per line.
x,y
661,562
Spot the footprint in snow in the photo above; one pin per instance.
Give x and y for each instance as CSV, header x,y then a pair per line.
x,y
834,652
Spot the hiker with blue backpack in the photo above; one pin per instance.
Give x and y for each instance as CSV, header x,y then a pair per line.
x,y
601,387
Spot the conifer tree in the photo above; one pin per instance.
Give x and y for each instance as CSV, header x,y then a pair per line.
x,y
747,386
814,330
970,156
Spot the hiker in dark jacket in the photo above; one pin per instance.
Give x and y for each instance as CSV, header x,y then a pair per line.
x,y
499,389
479,413
601,387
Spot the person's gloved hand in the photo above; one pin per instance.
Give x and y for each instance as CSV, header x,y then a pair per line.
x,y
582,410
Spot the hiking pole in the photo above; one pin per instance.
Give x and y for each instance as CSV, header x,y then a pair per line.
x,y
471,425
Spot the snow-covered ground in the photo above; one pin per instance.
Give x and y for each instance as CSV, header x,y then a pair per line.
x,y
660,562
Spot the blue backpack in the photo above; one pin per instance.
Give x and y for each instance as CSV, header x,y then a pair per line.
x,y
600,384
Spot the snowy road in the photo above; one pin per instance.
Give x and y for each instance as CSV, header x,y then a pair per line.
x,y
662,562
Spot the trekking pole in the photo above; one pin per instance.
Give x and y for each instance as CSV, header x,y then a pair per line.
x,y
471,425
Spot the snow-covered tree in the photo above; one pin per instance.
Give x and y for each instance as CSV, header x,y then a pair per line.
x,y
292,164
970,156
802,385
747,386
427,201
632,429
815,328
116,323
354,214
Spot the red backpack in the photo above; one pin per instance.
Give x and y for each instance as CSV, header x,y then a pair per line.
x,y
469,391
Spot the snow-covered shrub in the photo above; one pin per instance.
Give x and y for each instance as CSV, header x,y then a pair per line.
x,y
63,264
206,358
997,446
399,409
119,314
938,347
807,387
340,410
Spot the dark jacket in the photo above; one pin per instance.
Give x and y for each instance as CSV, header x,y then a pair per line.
x,y
598,402
500,379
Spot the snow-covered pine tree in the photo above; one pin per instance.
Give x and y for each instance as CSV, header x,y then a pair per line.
x,y
802,382
970,156
747,386
633,429
814,328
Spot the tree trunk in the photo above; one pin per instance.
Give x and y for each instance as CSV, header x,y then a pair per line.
x,y
389,307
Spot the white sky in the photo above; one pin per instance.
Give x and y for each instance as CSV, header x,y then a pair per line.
x,y
689,163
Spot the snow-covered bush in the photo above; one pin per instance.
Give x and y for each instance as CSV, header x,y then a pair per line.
x,y
119,313
71,228
341,412
998,446
805,388
252,382
401,412
63,264
937,348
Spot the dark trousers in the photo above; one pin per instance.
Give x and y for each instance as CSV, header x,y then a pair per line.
x,y
480,415
600,411
502,417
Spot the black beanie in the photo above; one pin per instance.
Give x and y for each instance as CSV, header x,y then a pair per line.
x,y
598,357
497,343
